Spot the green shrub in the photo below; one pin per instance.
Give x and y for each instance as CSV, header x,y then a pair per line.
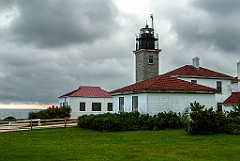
x,y
10,118
131,121
206,121
203,121
51,112
170,120
231,129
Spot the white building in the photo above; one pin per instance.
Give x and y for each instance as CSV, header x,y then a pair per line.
x,y
87,100
175,90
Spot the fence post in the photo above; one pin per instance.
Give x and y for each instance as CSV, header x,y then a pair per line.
x,y
9,125
39,122
31,124
65,122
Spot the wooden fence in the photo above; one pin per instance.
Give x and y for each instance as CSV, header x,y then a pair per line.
x,y
19,125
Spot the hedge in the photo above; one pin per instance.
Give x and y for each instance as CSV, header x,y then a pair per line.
x,y
203,121
131,121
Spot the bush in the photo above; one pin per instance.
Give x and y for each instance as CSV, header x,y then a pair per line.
x,y
168,120
206,121
203,121
51,112
10,118
231,129
131,121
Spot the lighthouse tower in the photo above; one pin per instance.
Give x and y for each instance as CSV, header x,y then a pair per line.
x,y
146,53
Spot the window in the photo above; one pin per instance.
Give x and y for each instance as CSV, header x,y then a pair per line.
x,y
135,103
110,108
96,106
121,104
65,104
194,81
219,86
82,106
219,107
150,59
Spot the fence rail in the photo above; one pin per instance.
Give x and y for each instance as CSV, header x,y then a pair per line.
x,y
19,125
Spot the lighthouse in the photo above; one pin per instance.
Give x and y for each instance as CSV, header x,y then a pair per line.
x,y
147,53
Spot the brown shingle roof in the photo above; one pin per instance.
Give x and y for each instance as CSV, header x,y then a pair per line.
x,y
88,91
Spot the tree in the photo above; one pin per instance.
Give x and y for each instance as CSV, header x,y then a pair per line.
x,y
51,112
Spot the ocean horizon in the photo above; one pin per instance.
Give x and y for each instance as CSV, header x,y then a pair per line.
x,y
17,113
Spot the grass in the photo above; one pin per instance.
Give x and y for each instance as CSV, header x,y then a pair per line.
x,y
79,144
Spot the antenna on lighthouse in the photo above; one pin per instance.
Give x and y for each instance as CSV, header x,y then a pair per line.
x,y
151,16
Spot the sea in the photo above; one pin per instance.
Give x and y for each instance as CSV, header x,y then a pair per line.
x,y
16,113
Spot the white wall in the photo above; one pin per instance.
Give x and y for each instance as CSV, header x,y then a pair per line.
x,y
74,103
226,86
235,87
238,72
142,102
154,103
227,108
177,102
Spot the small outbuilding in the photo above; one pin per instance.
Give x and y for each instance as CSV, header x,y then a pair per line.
x,y
87,100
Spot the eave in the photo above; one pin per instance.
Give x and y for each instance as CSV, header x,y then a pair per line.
x,y
163,91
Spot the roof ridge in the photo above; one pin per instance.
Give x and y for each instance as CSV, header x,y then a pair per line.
x,y
89,87
88,91
201,71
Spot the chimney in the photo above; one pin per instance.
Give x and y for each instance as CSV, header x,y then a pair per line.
x,y
238,70
238,75
195,62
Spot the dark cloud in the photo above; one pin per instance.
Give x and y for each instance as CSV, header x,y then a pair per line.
x,y
51,47
65,33
6,4
214,23
222,17
58,23
218,7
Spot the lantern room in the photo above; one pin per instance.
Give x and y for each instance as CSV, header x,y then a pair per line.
x,y
147,39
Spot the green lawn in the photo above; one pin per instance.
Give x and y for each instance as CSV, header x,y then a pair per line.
x,y
78,144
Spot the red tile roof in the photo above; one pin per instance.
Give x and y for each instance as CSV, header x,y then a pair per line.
x,y
88,91
189,70
169,82
165,83
232,99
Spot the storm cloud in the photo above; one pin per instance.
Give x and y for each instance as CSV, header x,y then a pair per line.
x,y
60,23
51,47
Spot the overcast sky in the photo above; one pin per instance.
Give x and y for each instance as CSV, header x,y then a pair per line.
x,y
51,47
